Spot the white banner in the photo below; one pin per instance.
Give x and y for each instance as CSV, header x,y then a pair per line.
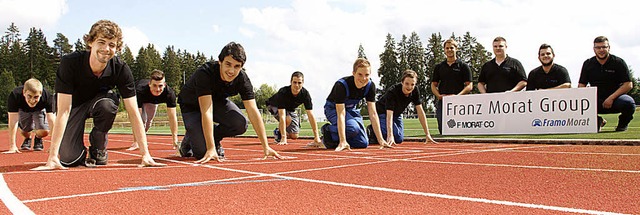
x,y
569,110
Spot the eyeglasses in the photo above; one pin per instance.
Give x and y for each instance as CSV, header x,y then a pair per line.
x,y
600,47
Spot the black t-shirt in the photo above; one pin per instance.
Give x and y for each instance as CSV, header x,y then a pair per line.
x,y
394,99
504,77
17,102
607,77
75,77
284,99
143,95
207,81
538,79
338,94
451,79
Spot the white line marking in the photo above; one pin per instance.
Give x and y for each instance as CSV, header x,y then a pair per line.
x,y
12,202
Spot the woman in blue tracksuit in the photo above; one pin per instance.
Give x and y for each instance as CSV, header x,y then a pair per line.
x,y
347,128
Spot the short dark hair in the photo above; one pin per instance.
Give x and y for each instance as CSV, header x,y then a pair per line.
x,y
600,39
545,46
157,75
360,62
499,38
235,50
297,74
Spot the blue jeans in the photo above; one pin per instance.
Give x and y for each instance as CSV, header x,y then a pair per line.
x,y
624,104
398,127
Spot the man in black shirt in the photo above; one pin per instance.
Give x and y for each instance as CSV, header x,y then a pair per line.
x,y
84,84
150,93
611,76
393,103
203,100
502,73
549,75
30,108
451,77
282,106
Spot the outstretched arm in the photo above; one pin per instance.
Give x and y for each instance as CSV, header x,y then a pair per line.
x,y
13,128
375,122
137,127
314,128
282,126
64,109
258,127
423,121
173,125
206,115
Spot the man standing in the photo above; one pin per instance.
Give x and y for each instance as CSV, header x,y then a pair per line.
x,y
282,106
450,77
84,82
150,93
30,108
203,100
611,76
549,75
502,73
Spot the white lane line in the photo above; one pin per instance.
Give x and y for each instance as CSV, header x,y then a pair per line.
x,y
12,202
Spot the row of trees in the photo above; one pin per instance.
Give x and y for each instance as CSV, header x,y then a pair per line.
x,y
33,57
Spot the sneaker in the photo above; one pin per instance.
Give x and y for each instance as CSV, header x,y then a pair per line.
x,y
99,156
371,135
185,150
26,144
37,144
621,128
276,135
326,137
219,149
601,123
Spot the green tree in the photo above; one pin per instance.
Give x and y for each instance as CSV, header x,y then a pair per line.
x,y
40,58
389,71
361,53
474,54
79,45
147,60
171,68
416,61
263,94
7,83
635,91
61,45
127,56
434,56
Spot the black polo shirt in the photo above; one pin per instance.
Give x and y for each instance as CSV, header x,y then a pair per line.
x,y
75,77
451,79
538,79
284,99
338,93
17,102
607,77
394,99
206,81
504,77
143,95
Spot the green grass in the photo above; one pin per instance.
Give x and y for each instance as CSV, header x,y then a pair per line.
x,y
413,129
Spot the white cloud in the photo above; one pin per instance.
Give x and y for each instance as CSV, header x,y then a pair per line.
x,y
134,38
32,13
321,38
215,28
246,32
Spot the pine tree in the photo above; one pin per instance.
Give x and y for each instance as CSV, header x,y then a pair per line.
x,y
79,45
7,83
361,53
435,55
171,68
40,59
389,67
474,54
127,56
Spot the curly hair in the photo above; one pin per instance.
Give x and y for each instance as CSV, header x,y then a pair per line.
x,y
106,29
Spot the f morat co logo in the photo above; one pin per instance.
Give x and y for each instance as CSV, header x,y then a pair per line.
x,y
471,124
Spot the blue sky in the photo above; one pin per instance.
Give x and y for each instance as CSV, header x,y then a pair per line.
x,y
321,38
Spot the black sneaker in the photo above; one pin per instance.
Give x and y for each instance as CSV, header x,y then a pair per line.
x,y
326,137
37,144
219,149
98,155
26,144
621,128
371,135
601,123
276,135
185,150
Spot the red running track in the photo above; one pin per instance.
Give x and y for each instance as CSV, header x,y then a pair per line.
x,y
413,178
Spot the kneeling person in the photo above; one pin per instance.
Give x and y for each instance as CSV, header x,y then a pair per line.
x,y
282,106
30,108
150,93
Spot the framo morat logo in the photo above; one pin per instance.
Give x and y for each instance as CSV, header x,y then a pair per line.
x,y
569,122
471,124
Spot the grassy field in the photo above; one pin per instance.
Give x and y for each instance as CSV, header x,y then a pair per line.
x,y
413,129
